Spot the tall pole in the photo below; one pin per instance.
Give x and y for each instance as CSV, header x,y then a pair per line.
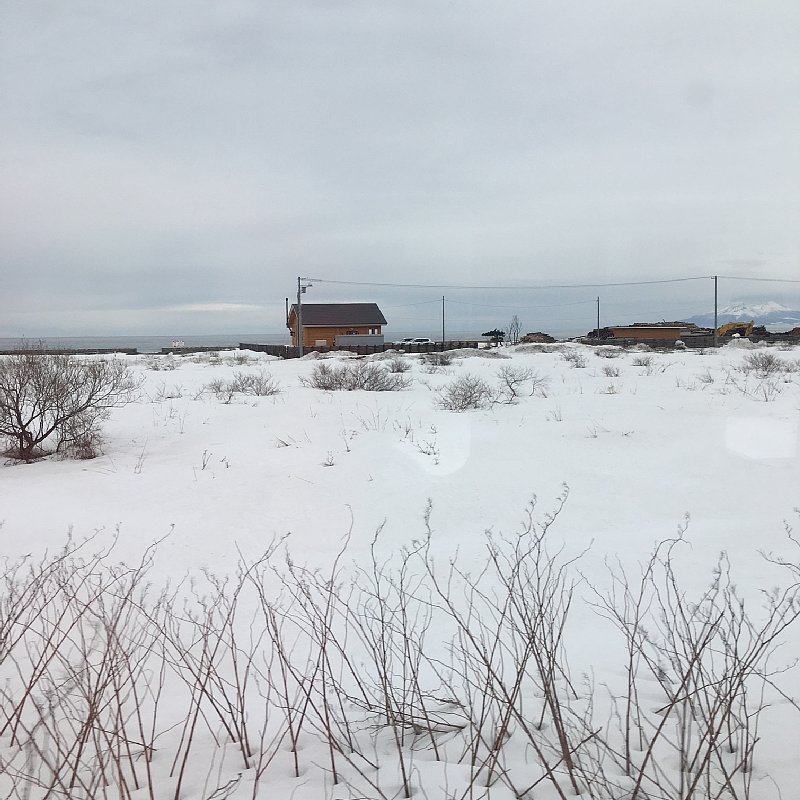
x,y
299,316
716,335
598,317
442,319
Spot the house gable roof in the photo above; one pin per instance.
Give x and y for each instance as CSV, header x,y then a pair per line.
x,y
330,315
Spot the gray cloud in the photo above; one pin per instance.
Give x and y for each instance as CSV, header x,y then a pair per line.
x,y
176,154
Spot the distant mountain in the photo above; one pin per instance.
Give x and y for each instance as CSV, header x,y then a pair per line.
x,y
769,314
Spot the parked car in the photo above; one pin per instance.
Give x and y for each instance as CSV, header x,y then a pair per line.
x,y
414,340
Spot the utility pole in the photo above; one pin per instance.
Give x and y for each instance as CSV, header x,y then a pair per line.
x,y
300,315
598,317
716,335
301,290
442,319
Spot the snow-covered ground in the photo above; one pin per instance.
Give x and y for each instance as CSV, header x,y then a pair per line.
x,y
642,445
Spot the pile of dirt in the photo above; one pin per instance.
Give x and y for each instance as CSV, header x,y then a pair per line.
x,y
537,338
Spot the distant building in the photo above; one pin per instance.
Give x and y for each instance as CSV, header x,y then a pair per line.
x,y
324,323
645,333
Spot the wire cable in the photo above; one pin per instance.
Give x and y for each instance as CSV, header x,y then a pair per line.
x,y
523,308
507,288
762,280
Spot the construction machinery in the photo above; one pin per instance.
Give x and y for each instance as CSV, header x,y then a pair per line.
x,y
736,328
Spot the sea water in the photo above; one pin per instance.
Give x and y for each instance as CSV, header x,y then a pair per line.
x,y
144,344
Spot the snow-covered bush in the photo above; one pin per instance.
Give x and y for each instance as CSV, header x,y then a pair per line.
x,y
362,375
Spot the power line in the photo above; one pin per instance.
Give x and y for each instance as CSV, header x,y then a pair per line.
x,y
761,280
508,288
522,308
420,303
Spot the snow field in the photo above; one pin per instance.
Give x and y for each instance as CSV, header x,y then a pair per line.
x,y
630,442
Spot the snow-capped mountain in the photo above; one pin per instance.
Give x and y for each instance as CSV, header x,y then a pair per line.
x,y
766,313
754,311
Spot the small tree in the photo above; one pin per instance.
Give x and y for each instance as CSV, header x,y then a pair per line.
x,y
513,330
59,399
496,336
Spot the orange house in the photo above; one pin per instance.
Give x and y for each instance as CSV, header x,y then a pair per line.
x,y
323,322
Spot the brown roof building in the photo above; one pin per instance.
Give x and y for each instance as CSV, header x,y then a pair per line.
x,y
323,322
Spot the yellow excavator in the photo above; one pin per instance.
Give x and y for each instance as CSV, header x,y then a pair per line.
x,y
742,328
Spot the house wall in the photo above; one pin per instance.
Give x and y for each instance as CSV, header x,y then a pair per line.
x,y
312,335
350,340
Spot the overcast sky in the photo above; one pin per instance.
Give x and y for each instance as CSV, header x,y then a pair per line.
x,y
173,166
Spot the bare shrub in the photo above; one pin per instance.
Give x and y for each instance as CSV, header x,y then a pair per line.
x,y
398,365
706,378
611,371
468,392
404,659
81,438
221,389
575,359
436,361
163,392
643,361
514,380
762,364
60,399
363,375
159,363
260,384
607,352
711,659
